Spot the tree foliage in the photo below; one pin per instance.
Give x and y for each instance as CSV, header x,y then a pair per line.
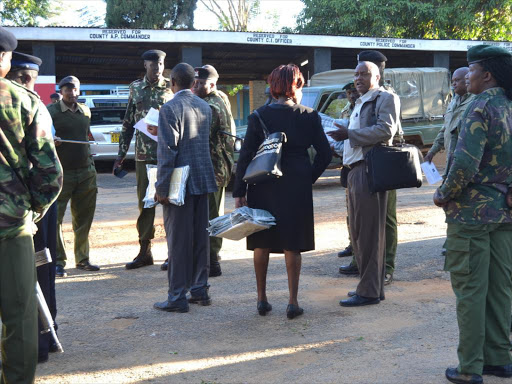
x,y
24,12
155,14
237,15
434,19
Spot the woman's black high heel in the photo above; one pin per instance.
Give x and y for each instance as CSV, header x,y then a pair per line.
x,y
293,311
264,307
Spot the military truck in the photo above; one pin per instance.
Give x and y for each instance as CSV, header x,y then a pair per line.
x,y
424,95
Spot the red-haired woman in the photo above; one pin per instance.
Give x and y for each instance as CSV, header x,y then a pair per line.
x,y
289,198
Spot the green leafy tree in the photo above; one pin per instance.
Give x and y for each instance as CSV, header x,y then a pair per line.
x,y
435,19
155,14
236,16
25,13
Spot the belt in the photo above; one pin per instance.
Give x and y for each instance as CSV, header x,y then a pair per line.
x,y
353,165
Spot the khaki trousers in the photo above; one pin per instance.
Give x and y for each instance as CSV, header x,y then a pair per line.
x,y
367,217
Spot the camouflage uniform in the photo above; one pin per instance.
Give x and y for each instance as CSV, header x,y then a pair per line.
x,y
479,233
222,155
30,180
143,97
346,111
447,137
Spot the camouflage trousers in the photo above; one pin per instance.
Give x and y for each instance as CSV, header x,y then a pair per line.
x,y
146,219
479,259
80,187
18,309
215,209
391,233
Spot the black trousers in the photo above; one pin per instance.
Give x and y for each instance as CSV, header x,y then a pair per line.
x,y
46,237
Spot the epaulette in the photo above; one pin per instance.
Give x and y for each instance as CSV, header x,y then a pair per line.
x,y
134,83
24,89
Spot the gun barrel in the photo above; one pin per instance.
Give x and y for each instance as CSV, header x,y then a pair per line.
x,y
46,318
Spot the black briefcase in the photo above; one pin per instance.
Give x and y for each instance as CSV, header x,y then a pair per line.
x,y
393,167
266,164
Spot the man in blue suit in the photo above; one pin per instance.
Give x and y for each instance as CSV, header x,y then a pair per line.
x,y
183,139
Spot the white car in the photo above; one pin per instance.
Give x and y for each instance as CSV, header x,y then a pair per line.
x,y
106,125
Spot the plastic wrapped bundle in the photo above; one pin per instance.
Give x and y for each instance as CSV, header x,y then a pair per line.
x,y
177,189
241,223
328,126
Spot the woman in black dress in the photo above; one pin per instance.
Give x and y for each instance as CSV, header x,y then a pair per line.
x,y
289,198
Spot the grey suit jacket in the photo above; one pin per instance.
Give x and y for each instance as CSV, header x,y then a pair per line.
x,y
183,139
378,121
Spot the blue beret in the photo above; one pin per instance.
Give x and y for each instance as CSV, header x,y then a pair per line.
x,y
25,61
8,41
483,52
153,55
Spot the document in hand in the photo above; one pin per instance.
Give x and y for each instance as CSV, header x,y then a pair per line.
x,y
177,189
150,119
328,126
431,173
240,223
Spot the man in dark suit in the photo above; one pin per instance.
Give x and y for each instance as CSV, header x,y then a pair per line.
x,y
183,139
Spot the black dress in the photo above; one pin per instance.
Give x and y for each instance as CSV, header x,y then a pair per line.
x,y
289,198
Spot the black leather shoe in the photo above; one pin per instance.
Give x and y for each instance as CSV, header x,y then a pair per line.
x,y
171,307
353,293
86,266
498,370
346,252
453,375
145,257
53,348
165,265
60,271
359,301
203,299
349,270
215,270
42,359
292,311
264,307
388,279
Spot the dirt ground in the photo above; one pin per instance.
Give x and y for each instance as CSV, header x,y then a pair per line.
x,y
111,333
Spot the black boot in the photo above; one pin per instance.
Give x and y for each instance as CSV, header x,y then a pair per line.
x,y
145,257
215,269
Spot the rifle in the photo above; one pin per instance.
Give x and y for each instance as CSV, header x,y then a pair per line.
x,y
43,257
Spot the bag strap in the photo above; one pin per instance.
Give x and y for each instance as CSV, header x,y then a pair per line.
x,y
263,126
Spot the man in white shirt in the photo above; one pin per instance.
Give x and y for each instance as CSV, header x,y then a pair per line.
x,y
374,120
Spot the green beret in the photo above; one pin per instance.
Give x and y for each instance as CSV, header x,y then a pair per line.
x,y
483,52
349,87
153,55
69,80
206,72
8,42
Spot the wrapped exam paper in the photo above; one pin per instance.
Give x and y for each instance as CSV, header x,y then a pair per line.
x,y
177,190
328,126
240,223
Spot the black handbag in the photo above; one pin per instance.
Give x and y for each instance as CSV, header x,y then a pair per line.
x,y
393,167
266,164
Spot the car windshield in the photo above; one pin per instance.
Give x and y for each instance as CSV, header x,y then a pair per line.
x,y
308,98
107,116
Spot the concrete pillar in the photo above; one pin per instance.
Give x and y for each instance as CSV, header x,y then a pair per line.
x,y
321,60
442,59
257,95
192,56
46,52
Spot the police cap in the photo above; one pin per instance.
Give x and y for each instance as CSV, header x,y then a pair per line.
x,y
482,52
69,80
373,56
153,55
206,72
8,41
25,61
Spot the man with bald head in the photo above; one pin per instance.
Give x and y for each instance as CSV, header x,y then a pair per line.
x,y
374,120
447,137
